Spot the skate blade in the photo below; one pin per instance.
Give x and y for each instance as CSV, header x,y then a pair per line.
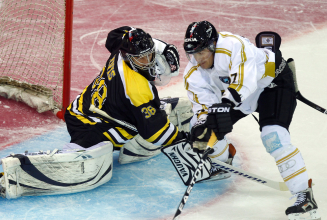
x,y
217,177
314,215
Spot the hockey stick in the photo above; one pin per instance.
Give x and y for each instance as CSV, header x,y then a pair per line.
x,y
195,176
274,44
103,113
281,186
298,95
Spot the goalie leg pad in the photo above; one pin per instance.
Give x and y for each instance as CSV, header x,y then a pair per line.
x,y
56,172
185,161
137,150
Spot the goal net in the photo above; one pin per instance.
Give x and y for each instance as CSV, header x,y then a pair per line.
x,y
35,52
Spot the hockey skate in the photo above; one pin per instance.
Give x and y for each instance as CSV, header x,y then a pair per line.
x,y
219,174
305,203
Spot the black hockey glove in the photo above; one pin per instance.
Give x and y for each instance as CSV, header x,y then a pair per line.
x,y
200,135
219,119
172,57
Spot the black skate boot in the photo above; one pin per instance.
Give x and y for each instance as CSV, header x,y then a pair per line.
x,y
219,174
305,203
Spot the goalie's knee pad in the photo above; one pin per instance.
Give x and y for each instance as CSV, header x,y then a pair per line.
x,y
288,158
137,150
56,172
185,161
179,111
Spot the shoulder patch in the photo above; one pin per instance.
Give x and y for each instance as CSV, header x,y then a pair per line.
x,y
225,79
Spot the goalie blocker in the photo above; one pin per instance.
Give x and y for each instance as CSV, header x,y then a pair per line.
x,y
185,161
74,169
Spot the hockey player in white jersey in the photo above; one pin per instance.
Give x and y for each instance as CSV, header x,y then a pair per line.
x,y
228,78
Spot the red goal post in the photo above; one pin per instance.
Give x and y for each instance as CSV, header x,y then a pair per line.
x,y
35,52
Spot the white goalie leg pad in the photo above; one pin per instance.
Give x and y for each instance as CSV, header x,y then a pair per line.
x,y
185,161
288,158
179,111
137,150
71,170
221,151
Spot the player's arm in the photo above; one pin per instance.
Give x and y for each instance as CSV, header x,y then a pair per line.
x,y
202,97
154,126
243,75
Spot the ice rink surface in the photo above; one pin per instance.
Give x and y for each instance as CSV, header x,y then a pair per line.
x,y
152,189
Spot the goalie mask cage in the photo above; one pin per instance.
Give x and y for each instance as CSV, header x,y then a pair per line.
x,y
35,52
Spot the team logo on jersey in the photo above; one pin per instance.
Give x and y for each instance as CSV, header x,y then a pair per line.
x,y
225,79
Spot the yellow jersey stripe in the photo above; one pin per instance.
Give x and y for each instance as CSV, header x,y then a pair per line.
x,y
189,73
296,151
156,135
220,152
80,102
224,51
241,67
111,140
79,117
295,174
173,138
186,85
124,133
82,118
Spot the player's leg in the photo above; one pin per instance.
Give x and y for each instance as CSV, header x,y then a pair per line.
x,y
224,151
276,106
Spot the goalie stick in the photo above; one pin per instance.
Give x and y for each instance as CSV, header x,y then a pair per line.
x,y
103,113
195,176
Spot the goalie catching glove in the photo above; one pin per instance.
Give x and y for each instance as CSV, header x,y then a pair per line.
x,y
172,58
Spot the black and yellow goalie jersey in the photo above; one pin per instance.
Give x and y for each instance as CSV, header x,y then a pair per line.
x,y
125,95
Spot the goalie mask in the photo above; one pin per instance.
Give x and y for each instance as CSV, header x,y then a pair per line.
x,y
138,48
198,37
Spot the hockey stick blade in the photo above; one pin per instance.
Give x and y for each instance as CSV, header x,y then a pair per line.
x,y
104,114
300,97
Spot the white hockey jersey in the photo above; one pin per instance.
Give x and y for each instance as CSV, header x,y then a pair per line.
x,y
239,65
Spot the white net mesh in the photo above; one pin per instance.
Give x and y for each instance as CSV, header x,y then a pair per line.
x,y
31,50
